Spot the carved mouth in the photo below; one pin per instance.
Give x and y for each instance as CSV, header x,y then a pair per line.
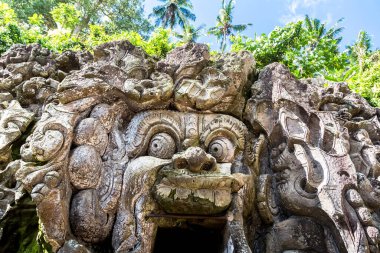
x,y
183,192
184,179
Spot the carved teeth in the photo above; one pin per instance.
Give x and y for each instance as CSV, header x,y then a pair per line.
x,y
199,182
183,193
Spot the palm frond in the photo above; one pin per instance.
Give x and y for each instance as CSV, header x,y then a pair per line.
x,y
308,23
321,30
230,6
333,32
215,31
316,24
173,13
340,20
187,13
201,27
157,11
185,3
240,28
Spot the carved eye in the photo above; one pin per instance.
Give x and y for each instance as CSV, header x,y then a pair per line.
x,y
162,146
222,149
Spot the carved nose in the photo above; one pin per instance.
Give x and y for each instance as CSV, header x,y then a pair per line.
x,y
194,159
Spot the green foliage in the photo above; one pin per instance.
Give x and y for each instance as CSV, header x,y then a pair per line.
x,y
7,15
367,83
306,47
125,15
9,34
66,15
159,43
61,40
36,20
273,47
189,33
26,8
116,15
363,74
62,37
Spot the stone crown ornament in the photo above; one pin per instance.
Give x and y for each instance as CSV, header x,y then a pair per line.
x,y
115,149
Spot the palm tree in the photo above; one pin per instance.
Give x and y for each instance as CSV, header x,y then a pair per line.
x,y
224,27
361,49
190,33
319,31
172,13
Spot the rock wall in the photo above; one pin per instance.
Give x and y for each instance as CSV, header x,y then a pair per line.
x,y
112,147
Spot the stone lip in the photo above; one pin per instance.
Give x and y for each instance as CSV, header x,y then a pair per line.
x,y
202,180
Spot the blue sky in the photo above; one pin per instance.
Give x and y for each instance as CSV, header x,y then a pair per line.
x,y
266,14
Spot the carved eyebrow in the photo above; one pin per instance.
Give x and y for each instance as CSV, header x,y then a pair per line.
x,y
225,125
146,124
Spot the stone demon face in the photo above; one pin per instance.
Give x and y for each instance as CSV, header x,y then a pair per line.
x,y
110,165
197,176
181,164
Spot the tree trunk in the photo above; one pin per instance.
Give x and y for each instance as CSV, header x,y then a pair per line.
x,y
87,18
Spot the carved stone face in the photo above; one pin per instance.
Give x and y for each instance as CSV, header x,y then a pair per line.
x,y
200,149
43,146
109,165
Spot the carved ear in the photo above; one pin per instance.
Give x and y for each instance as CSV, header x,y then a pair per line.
x,y
313,169
254,150
293,127
266,200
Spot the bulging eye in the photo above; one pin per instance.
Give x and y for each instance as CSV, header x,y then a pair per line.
x,y
222,149
162,146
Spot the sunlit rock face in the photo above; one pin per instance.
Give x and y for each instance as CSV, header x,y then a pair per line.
x,y
115,146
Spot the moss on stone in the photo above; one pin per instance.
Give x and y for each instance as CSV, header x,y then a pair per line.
x,y
20,230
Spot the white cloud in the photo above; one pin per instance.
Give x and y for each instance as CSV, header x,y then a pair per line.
x,y
293,7
312,2
291,18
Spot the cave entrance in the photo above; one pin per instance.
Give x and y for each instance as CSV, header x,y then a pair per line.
x,y
189,240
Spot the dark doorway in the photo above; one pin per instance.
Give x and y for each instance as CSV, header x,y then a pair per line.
x,y
195,239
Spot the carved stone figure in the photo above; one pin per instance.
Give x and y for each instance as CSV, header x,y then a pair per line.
x,y
117,149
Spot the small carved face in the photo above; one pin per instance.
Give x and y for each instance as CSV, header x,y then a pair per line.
x,y
199,177
42,145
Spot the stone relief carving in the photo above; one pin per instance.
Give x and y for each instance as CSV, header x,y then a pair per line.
x,y
114,148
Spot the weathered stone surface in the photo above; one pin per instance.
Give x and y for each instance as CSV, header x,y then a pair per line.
x,y
124,145
30,73
186,61
91,132
13,122
218,87
85,167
